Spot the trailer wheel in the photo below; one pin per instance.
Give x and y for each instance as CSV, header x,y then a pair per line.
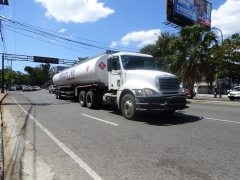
x,y
90,100
82,98
128,106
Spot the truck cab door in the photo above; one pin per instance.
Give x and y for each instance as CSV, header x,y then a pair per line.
x,y
114,74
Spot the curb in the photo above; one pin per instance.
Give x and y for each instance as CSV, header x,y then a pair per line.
x,y
1,141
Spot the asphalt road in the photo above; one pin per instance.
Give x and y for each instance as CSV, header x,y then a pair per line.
x,y
201,142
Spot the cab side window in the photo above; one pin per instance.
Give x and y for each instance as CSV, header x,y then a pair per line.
x,y
116,64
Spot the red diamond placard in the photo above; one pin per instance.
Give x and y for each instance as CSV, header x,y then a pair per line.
x,y
102,65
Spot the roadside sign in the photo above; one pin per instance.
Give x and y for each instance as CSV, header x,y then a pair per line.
x,y
45,60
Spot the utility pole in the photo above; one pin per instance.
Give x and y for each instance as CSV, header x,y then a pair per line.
x,y
220,87
3,2
2,91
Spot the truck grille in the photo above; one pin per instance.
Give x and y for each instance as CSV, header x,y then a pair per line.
x,y
169,85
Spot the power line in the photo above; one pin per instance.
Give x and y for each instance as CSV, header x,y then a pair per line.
x,y
48,41
56,36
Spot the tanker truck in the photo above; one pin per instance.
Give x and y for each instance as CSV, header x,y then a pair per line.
x,y
127,80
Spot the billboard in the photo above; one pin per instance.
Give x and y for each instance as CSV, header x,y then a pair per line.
x,y
189,12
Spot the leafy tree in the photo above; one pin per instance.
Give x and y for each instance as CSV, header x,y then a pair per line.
x,y
38,75
161,50
9,77
82,58
23,79
227,57
29,70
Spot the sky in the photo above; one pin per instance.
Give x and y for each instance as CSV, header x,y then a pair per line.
x,y
91,26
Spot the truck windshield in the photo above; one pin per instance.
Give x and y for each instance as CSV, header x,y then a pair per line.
x,y
138,63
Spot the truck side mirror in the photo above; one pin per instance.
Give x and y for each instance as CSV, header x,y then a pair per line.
x,y
109,64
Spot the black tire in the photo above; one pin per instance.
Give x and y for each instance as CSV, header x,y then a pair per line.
x,y
82,98
232,99
128,106
49,91
91,100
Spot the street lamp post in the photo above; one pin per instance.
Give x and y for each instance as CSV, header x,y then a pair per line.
x,y
220,86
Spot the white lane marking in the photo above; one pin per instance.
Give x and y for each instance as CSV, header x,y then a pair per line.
x,y
79,161
222,120
34,98
100,120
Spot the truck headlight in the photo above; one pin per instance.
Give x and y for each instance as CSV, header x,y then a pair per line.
x,y
144,92
149,92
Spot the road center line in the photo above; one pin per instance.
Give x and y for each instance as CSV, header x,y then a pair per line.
x,y
100,120
222,120
78,160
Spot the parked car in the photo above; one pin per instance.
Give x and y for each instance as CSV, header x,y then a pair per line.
x,y
235,94
229,90
38,88
33,88
26,88
187,93
52,88
19,87
13,88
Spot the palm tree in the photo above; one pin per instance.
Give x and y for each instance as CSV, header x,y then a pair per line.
x,y
192,53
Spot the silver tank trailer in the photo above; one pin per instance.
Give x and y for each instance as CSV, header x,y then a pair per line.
x,y
87,72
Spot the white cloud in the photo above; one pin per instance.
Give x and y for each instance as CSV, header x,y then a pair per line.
x,y
143,37
226,17
62,30
114,44
78,11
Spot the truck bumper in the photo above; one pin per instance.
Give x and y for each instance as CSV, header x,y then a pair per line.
x,y
161,103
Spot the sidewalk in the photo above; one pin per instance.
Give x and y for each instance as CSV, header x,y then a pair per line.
x,y
211,97
2,96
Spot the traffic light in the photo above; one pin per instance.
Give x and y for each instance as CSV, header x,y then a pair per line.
x,y
4,2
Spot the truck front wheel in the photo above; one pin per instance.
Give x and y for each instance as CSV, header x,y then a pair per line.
x,y
128,106
82,98
90,100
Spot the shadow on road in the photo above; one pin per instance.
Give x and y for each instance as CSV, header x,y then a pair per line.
x,y
158,119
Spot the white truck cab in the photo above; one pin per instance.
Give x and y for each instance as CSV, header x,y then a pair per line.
x,y
141,87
